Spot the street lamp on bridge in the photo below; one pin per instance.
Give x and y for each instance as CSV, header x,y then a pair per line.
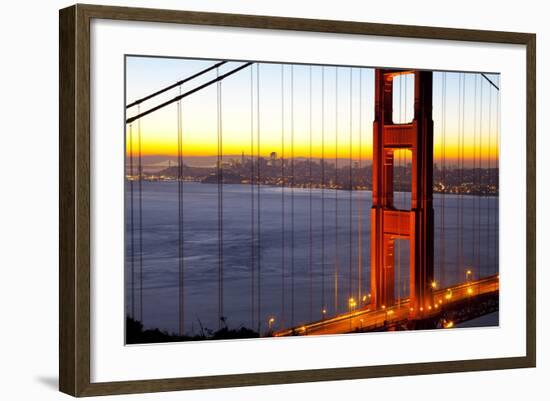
x,y
352,304
468,274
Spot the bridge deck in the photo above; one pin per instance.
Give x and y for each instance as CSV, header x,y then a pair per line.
x,y
365,319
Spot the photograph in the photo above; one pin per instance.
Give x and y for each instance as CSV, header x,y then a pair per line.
x,y
267,199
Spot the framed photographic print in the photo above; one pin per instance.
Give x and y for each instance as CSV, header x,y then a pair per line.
x,y
251,200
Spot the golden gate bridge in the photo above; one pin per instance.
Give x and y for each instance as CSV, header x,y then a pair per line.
x,y
399,140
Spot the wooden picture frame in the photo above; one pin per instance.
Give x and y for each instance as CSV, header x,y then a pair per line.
x,y
74,203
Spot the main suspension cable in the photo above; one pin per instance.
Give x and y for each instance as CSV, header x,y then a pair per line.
x,y
190,92
175,85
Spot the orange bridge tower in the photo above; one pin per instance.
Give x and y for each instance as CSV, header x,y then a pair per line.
x,y
388,223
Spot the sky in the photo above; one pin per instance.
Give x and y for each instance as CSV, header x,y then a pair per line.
x,y
298,108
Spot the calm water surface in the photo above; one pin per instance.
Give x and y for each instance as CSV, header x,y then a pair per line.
x,y
343,258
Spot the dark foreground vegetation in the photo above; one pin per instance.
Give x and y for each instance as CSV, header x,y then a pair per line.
x,y
136,334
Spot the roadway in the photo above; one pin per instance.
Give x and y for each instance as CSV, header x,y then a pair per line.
x,y
365,319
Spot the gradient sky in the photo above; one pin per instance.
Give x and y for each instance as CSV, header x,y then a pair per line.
x,y
347,118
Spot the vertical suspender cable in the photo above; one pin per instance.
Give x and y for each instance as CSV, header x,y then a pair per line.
x,y
480,179
402,117
132,231
336,256
397,186
457,259
404,184
292,184
350,207
497,172
461,205
252,207
180,221
360,194
323,184
403,177
481,191
488,201
406,200
442,265
474,198
259,255
221,316
474,203
140,219
310,196
283,228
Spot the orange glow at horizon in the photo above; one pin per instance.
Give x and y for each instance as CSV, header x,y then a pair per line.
x,y
207,147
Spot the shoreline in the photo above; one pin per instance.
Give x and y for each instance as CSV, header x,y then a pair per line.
x,y
316,187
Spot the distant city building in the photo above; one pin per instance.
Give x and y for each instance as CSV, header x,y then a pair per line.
x,y
272,159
